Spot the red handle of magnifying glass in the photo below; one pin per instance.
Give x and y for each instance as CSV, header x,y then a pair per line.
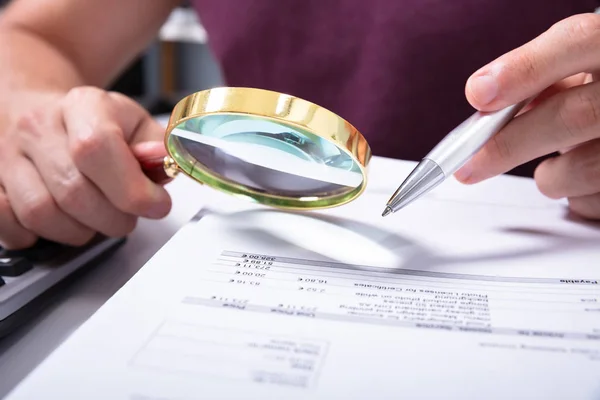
x,y
154,169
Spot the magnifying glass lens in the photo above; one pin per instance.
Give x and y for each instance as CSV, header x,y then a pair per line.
x,y
264,155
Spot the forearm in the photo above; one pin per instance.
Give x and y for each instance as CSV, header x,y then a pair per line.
x,y
30,62
59,44
32,66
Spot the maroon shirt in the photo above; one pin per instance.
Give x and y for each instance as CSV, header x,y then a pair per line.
x,y
396,69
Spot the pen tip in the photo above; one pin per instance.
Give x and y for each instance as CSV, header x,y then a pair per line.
x,y
386,212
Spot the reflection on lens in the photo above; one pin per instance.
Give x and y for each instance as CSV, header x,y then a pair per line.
x,y
264,155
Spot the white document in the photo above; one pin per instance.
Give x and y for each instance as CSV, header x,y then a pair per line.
x,y
483,292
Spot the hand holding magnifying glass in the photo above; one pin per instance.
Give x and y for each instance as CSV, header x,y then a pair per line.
x,y
70,168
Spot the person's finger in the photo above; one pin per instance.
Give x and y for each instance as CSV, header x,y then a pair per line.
x,y
44,141
35,208
138,125
586,206
565,120
553,90
557,88
99,135
12,234
575,173
568,48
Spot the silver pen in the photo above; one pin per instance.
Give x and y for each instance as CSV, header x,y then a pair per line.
x,y
449,155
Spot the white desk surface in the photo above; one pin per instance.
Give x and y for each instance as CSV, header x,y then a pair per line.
x,y
22,352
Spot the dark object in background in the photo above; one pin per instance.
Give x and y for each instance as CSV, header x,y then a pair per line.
x,y
31,280
132,83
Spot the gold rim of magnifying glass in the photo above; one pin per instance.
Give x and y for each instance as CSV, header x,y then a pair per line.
x,y
282,108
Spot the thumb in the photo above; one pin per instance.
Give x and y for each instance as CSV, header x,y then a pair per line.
x,y
151,157
565,50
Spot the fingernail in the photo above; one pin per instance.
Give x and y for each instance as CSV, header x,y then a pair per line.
x,y
159,210
483,88
464,173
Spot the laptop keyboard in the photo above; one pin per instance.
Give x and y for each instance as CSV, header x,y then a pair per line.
x,y
28,277
16,262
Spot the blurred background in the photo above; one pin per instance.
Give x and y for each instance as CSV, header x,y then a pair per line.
x,y
177,63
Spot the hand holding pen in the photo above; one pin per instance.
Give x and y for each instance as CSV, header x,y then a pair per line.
x,y
564,118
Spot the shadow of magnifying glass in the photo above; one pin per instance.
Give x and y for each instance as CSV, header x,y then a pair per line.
x,y
362,246
324,237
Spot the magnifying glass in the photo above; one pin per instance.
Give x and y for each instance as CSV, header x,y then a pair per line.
x,y
268,147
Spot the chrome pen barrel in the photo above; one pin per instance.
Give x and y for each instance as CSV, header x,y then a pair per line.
x,y
449,155
470,136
